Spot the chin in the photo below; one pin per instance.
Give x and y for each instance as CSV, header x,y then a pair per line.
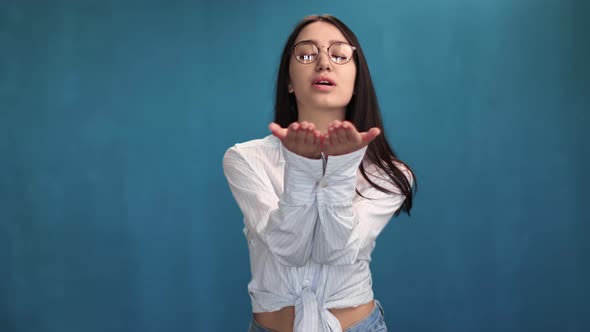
x,y
331,104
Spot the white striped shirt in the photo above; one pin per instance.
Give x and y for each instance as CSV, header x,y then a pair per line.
x,y
310,236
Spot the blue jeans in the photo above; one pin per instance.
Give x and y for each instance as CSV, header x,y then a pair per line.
x,y
372,323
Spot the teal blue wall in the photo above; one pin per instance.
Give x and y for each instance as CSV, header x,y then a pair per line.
x,y
114,117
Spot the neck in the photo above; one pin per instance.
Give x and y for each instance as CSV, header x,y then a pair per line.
x,y
320,118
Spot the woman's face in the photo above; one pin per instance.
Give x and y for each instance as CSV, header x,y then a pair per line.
x,y
321,84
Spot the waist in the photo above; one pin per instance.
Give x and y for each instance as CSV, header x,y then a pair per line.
x,y
283,320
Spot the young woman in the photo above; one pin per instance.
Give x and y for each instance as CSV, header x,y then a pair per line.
x,y
317,192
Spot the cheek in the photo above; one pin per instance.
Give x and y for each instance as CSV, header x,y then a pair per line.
x,y
294,75
350,78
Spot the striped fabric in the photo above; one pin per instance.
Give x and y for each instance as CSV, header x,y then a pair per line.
x,y
310,236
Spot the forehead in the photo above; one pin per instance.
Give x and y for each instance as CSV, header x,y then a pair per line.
x,y
320,32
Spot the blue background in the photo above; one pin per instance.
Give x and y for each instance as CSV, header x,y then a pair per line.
x,y
114,117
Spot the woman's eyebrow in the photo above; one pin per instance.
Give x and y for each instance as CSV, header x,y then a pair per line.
x,y
316,42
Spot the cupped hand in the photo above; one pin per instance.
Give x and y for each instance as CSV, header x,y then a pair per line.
x,y
343,138
300,138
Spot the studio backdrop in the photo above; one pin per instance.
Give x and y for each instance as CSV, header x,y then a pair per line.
x,y
114,117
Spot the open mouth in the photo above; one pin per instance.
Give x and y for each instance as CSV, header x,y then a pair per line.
x,y
328,83
323,83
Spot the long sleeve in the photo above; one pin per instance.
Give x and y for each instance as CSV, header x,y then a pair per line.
x,y
284,223
348,223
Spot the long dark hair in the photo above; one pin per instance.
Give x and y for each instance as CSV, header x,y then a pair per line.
x,y
362,111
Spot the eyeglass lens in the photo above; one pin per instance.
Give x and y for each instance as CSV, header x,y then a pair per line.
x,y
339,53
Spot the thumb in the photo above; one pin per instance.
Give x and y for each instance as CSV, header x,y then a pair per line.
x,y
370,135
277,131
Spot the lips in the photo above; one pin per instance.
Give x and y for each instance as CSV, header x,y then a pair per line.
x,y
323,81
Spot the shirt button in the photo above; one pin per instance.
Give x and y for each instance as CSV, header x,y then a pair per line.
x,y
323,184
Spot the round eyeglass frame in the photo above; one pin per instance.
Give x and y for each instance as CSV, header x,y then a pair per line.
x,y
319,50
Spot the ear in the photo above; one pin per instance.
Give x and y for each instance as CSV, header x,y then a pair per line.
x,y
290,88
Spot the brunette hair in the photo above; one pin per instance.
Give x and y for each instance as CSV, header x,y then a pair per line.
x,y
362,111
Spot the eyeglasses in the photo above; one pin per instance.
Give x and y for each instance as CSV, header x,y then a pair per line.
x,y
307,52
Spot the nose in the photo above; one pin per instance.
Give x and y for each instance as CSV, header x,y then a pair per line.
x,y
323,62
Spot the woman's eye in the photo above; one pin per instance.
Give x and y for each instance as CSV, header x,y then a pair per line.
x,y
339,58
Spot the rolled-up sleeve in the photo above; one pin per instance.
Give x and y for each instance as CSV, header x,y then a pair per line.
x,y
284,224
347,223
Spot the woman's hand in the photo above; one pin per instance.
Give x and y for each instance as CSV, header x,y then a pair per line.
x,y
343,138
300,138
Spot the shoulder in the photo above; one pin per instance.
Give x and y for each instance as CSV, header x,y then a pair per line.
x,y
405,170
256,145
382,178
255,152
253,147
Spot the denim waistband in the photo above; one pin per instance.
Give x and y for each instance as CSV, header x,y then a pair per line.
x,y
373,322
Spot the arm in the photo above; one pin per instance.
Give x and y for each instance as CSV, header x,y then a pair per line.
x,y
348,223
283,224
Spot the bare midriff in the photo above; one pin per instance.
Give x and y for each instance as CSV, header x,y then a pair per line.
x,y
283,320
